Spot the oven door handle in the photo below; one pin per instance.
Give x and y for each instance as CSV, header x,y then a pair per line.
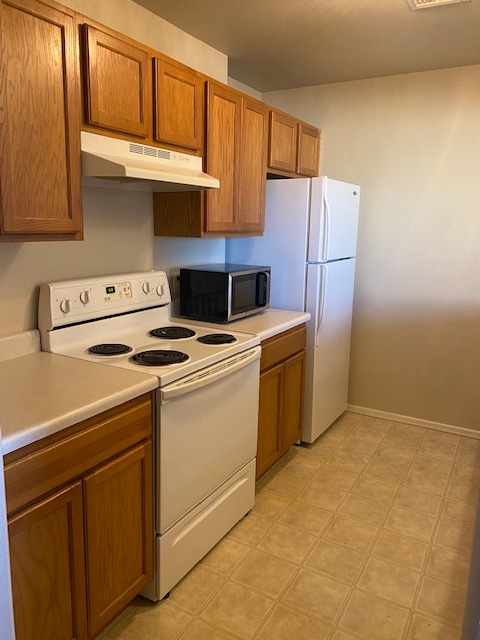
x,y
208,375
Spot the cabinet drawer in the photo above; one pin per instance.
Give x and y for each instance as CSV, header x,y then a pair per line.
x,y
57,459
283,346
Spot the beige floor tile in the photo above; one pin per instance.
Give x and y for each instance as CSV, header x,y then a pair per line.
x,y
237,610
287,543
340,563
348,461
374,425
389,581
420,501
453,536
424,628
350,533
346,421
342,635
250,529
285,484
466,472
195,589
317,453
385,471
471,458
448,566
365,509
264,573
458,512
200,630
333,475
322,495
286,624
426,482
441,600
356,445
440,451
299,466
404,436
331,437
464,491
269,505
444,439
410,523
225,556
470,444
393,455
150,621
375,488
400,549
373,618
306,517
316,594
432,465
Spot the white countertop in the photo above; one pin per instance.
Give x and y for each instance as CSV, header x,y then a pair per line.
x,y
42,393
264,324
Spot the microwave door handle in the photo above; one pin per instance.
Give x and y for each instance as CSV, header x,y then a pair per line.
x,y
263,286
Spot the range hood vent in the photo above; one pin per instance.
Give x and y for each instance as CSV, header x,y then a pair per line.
x,y
129,165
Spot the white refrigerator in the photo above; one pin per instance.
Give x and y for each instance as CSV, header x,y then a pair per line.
x,y
310,243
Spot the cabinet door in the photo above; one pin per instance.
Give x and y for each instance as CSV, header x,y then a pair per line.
x,y
117,75
270,419
40,180
293,396
283,142
253,166
119,533
222,155
48,570
308,150
179,98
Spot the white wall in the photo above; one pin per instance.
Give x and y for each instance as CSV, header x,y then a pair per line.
x,y
412,143
118,224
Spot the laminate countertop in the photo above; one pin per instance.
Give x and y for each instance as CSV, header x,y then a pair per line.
x,y
42,393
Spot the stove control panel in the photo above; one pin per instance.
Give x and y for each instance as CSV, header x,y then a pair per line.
x,y
72,301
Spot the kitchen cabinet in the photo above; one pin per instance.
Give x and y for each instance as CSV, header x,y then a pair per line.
x,y
40,176
179,105
117,78
236,154
294,147
282,383
80,518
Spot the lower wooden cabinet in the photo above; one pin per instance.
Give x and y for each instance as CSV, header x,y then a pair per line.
x,y
82,552
282,383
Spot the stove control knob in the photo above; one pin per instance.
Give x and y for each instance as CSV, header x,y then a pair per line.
x,y
146,288
85,297
65,305
160,290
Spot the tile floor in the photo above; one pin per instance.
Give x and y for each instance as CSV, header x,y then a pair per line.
x,y
364,535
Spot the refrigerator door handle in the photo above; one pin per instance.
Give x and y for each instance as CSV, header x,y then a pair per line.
x,y
322,281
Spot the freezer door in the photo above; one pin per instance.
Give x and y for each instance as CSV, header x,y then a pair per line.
x,y
333,220
329,301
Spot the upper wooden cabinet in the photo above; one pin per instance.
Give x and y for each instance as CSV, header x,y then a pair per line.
x,y
117,83
179,105
40,178
236,153
294,147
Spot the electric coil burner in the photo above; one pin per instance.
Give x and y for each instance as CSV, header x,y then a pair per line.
x,y
110,349
217,338
159,357
172,333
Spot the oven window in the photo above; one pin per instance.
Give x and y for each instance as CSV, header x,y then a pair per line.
x,y
244,292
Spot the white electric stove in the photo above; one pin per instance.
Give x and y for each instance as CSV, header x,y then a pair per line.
x,y
206,404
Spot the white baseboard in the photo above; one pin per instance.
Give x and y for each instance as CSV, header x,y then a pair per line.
x,y
418,422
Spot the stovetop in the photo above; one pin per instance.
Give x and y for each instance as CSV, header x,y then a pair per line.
x,y
128,315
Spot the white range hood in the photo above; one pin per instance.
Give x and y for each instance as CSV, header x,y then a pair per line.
x,y
119,163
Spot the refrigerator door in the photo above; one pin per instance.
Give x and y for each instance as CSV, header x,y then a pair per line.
x,y
333,220
329,301
283,247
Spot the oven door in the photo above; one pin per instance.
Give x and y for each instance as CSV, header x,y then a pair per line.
x,y
206,431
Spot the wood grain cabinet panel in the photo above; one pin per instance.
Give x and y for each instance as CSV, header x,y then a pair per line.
x,y
179,105
282,153
48,571
270,419
40,179
118,79
308,157
294,371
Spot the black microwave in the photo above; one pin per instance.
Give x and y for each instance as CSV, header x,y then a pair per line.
x,y
223,292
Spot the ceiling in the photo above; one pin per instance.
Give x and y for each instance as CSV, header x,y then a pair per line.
x,y
281,44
